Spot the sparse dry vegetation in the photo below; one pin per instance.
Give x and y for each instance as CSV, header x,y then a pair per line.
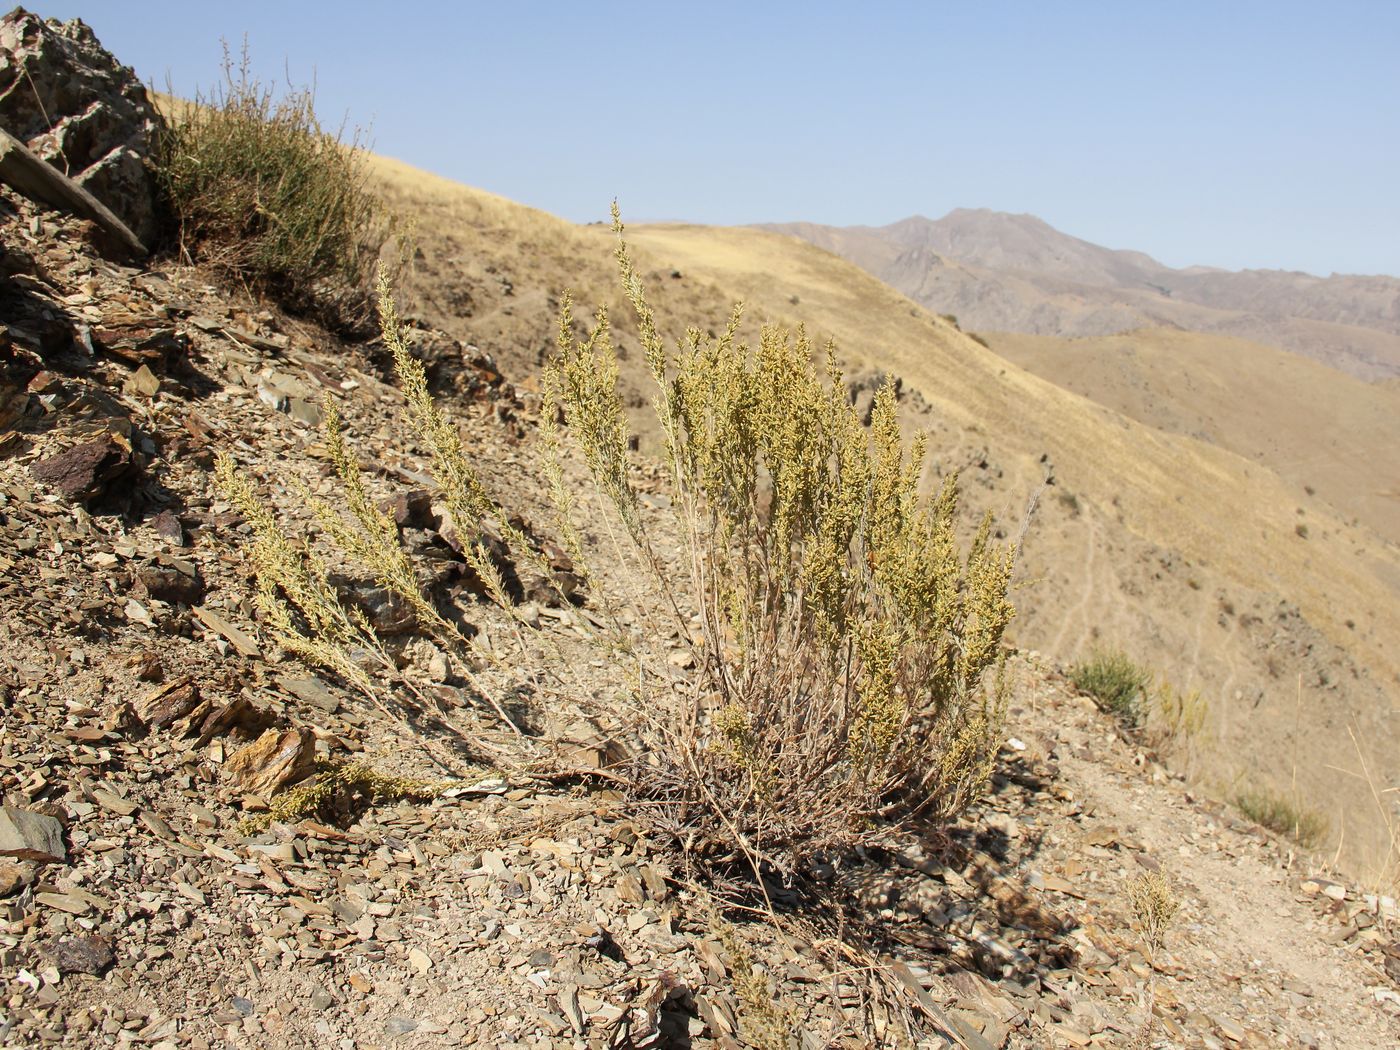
x,y
1177,715
765,1021
1154,907
263,193
842,641
1386,870
300,606
1116,683
343,787
1282,815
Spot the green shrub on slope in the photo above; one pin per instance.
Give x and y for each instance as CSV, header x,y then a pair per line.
x,y
1116,683
262,192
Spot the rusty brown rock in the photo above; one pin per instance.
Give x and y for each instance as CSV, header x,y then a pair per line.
x,y
239,713
147,666
273,761
88,470
388,613
88,953
168,703
168,528
124,721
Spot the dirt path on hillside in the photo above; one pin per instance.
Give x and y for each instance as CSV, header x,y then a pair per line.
x,y
1251,954
1080,616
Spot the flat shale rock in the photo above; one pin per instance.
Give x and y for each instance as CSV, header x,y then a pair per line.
x,y
30,836
239,639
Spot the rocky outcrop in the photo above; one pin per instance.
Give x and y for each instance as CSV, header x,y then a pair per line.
x,y
65,96
23,169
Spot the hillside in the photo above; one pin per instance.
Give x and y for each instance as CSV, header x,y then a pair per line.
x,y
336,708
1182,552
1330,436
1001,272
517,908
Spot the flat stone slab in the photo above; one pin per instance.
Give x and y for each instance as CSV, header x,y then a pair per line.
x,y
30,836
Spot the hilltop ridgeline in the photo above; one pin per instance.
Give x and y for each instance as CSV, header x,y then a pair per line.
x,y
1015,273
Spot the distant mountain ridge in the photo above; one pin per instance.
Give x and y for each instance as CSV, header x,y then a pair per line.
x,y
1016,273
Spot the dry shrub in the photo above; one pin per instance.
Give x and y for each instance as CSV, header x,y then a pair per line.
x,y
1279,814
294,593
843,636
263,193
1117,684
1154,906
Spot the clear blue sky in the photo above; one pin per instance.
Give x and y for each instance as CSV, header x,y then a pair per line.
x,y
1226,133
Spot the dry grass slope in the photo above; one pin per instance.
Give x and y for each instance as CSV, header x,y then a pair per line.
x,y
493,271
1338,442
